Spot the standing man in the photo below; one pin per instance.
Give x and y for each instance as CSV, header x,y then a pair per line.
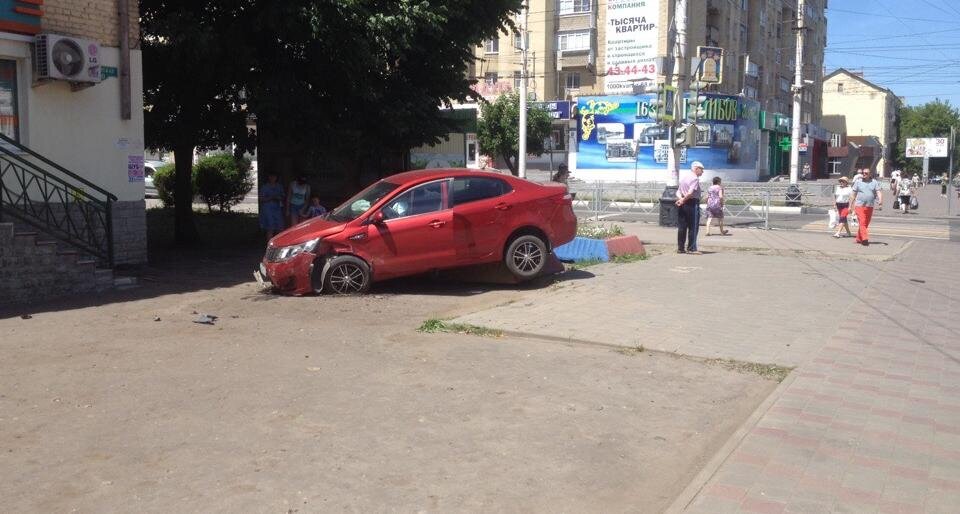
x,y
864,196
688,214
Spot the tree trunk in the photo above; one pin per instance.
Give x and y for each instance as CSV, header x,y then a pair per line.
x,y
512,165
184,229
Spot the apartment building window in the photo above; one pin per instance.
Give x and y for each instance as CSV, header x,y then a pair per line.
x,y
784,84
835,140
574,6
571,41
9,112
490,78
516,80
745,4
839,87
491,46
743,38
806,117
572,80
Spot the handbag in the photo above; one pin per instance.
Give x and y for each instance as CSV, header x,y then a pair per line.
x,y
914,203
896,204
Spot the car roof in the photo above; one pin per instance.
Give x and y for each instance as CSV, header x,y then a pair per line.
x,y
433,174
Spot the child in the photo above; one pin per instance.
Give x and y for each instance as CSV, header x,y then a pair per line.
x,y
715,205
313,209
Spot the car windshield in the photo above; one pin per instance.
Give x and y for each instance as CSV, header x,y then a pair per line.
x,y
361,203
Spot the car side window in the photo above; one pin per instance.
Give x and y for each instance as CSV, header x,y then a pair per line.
x,y
472,189
419,200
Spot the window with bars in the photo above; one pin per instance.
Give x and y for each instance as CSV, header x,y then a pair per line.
x,y
571,41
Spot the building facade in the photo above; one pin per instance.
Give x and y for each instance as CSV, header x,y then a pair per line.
x,y
859,111
586,48
71,99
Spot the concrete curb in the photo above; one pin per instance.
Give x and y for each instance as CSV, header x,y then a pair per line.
x,y
699,481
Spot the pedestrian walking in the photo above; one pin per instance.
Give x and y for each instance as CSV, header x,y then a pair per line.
x,y
944,181
688,214
841,195
904,193
864,195
894,179
271,206
715,206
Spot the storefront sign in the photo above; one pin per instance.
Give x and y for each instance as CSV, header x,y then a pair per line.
x,y
557,110
20,16
614,135
108,72
631,45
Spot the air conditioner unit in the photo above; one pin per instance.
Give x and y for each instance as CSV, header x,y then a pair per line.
x,y
67,58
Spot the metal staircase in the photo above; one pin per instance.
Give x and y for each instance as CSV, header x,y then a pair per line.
x,y
38,192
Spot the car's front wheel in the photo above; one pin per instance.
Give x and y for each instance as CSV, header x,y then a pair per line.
x,y
346,274
526,256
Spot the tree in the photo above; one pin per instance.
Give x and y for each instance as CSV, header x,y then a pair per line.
x,y
498,130
193,87
932,119
366,74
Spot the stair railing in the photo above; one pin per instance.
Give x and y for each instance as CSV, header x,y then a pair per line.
x,y
39,192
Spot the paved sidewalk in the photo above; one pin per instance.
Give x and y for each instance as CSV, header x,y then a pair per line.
x,y
872,422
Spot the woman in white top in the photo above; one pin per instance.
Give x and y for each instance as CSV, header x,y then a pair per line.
x,y
841,194
904,192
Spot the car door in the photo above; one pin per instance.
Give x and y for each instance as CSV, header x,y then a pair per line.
x,y
481,207
416,233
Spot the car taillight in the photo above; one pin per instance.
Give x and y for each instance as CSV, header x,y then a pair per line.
x,y
566,199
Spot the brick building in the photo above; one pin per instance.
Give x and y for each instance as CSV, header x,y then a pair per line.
x,y
71,106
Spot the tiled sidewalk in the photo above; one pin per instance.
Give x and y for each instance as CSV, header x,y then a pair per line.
x,y
872,422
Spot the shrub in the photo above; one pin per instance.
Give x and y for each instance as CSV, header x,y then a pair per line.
x,y
599,231
222,180
164,180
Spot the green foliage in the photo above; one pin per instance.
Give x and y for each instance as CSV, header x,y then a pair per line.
x,y
932,119
434,325
222,180
498,130
163,181
599,231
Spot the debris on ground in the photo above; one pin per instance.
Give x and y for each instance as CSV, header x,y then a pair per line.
x,y
205,319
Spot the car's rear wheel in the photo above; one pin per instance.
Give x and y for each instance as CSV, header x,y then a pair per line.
x,y
526,256
346,274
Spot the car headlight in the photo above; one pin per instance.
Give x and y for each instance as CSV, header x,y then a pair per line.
x,y
289,252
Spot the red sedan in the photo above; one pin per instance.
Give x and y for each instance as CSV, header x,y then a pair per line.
x,y
420,221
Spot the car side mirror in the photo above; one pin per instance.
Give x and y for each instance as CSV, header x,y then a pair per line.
x,y
376,218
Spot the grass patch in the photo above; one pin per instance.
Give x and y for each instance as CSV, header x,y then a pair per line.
x,y
433,326
768,371
633,351
599,231
584,264
629,257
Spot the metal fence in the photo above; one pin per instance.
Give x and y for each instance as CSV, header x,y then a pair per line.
x,y
751,200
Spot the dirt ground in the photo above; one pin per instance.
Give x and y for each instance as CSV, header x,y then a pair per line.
x,y
338,404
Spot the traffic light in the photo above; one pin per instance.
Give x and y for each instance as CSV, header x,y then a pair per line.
x,y
686,135
661,109
697,107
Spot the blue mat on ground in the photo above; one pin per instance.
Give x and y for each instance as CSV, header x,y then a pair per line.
x,y
583,249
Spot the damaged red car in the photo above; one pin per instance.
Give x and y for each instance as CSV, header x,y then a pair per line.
x,y
419,221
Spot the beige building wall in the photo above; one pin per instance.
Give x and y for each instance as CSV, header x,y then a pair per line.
x,y
855,107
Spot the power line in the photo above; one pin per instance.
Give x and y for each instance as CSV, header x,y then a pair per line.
x,y
932,20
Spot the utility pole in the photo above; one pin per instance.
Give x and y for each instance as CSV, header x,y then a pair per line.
x,y
950,187
522,154
680,67
797,95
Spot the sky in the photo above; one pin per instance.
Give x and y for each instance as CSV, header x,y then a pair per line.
x,y
907,46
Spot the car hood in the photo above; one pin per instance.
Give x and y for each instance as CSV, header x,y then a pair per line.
x,y
310,229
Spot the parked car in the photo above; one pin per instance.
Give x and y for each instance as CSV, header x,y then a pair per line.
x,y
149,168
420,221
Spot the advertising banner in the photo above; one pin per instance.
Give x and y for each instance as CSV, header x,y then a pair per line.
x,y
618,133
21,16
631,46
927,147
558,110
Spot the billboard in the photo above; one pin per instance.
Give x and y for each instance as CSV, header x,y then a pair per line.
x,y
618,133
927,147
631,43
21,16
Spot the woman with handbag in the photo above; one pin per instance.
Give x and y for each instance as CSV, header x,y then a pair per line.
x,y
841,195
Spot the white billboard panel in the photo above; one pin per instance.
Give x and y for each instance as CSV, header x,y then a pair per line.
x,y
631,45
927,147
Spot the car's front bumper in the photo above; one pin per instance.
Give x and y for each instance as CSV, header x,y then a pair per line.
x,y
292,276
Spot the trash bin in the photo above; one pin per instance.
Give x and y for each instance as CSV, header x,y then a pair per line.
x,y
668,207
794,196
